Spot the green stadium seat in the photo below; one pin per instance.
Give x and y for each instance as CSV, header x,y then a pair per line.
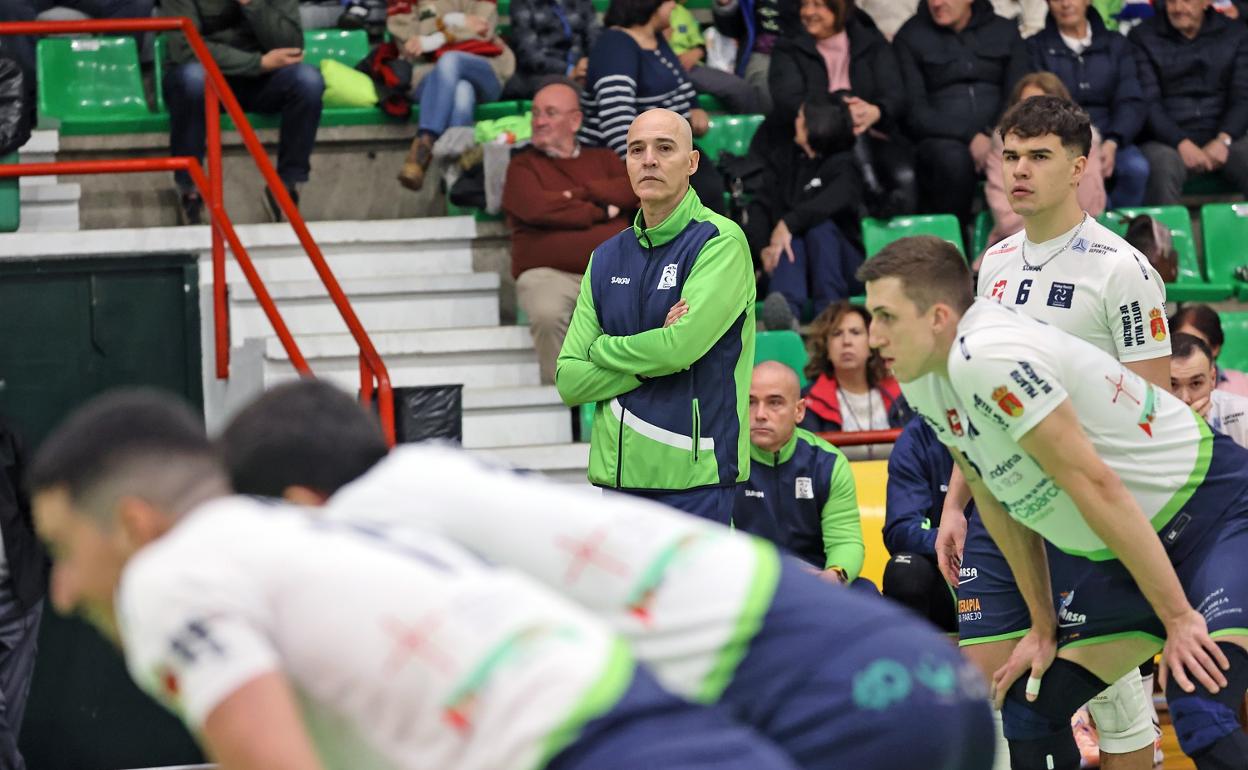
x,y
93,85
10,199
1225,230
1191,285
1234,353
783,346
346,46
729,133
711,103
878,233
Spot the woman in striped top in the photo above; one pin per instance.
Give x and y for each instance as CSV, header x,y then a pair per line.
x,y
632,69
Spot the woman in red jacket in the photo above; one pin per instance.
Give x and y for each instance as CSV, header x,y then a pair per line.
x,y
850,388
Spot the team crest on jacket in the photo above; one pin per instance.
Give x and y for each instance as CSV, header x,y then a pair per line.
x,y
955,423
668,279
1157,325
1008,402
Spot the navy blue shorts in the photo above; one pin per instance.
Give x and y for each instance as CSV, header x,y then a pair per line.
x,y
649,727
1205,540
841,678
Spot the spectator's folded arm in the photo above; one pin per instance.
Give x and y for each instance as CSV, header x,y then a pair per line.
x,y
529,202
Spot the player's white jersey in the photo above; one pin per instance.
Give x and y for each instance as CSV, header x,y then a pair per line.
x,y
1007,372
403,656
688,593
1087,282
1228,413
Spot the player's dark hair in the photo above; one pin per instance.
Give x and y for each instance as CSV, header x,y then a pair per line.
x,y
301,434
630,13
1184,345
1042,115
1202,318
144,442
930,269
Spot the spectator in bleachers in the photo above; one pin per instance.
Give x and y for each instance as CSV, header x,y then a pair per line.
x,y
100,9
918,480
959,62
459,61
684,35
1193,64
1202,321
1091,190
841,51
633,69
889,15
561,201
1192,378
804,207
259,48
1098,68
801,493
1151,238
850,387
1029,14
756,25
550,38
18,105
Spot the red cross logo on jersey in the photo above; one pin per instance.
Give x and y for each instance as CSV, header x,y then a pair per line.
x,y
415,640
998,290
1120,389
589,551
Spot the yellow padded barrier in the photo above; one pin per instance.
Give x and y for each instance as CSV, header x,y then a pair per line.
x,y
871,478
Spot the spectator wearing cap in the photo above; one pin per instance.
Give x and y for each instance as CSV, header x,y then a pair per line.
x,y
1193,64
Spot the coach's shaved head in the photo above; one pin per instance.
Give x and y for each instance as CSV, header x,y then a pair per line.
x,y
660,160
776,405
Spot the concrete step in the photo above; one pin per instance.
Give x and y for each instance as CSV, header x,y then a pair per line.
x,y
493,357
49,207
561,462
517,416
382,304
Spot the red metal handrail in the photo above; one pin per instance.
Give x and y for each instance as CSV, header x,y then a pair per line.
x,y
860,437
374,377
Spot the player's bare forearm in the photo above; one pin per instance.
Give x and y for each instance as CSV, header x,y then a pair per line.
x,y
1060,446
1155,370
959,493
258,727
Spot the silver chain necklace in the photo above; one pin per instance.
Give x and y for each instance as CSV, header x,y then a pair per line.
x,y
1028,266
853,413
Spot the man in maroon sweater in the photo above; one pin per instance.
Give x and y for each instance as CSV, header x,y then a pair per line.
x,y
561,200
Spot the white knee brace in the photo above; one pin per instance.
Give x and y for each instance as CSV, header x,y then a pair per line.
x,y
1124,716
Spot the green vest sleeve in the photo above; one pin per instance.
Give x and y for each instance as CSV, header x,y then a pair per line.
x,y
842,522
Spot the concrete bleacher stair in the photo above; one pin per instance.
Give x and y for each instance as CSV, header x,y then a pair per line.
x,y
48,204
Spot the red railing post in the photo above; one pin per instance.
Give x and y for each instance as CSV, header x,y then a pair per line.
x,y
215,201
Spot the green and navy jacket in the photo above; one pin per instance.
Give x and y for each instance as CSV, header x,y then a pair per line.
x,y
803,499
670,403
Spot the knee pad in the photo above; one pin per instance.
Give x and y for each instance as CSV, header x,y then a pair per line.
x,y
1066,686
1123,715
908,578
1203,719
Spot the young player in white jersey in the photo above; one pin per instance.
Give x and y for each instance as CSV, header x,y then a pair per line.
x,y
291,643
717,615
1065,269
1193,376
1060,442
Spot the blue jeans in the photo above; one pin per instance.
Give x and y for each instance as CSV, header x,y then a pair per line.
x,y
1130,180
450,93
822,270
294,92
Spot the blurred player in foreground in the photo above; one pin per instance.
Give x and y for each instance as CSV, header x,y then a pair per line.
x,y
293,644
836,680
